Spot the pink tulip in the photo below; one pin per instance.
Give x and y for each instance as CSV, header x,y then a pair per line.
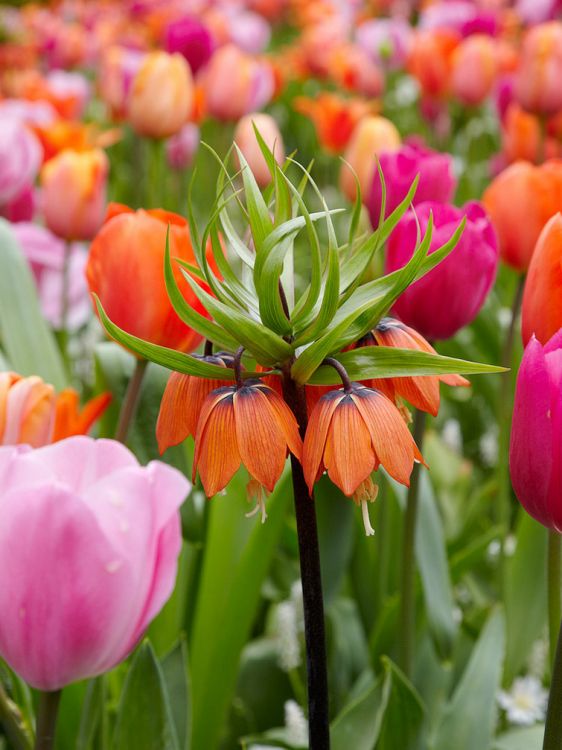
x,y
236,83
537,83
182,147
72,86
20,158
451,295
192,39
45,253
536,432
89,542
22,207
249,31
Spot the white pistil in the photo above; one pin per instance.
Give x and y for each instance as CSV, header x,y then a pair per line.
x,y
369,531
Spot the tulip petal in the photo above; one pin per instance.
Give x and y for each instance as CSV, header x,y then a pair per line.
x,y
261,440
530,454
53,626
316,434
348,456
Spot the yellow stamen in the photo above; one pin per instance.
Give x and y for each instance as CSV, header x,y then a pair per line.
x,y
366,493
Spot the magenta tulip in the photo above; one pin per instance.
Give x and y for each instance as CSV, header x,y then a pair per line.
x,y
536,432
451,295
190,38
89,542
400,167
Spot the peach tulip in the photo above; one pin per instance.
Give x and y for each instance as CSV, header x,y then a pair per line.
x,y
474,70
245,138
74,193
537,85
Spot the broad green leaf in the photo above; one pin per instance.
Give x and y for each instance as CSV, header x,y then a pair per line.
x,y
176,678
169,358
358,726
404,713
238,554
265,345
144,719
90,718
27,341
283,203
392,362
272,312
469,717
528,738
431,556
525,594
189,315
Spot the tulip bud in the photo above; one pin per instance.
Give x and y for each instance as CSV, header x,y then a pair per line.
x,y
537,84
247,142
451,295
126,264
108,532
118,69
182,146
161,97
191,39
371,136
474,69
534,455
541,314
523,190
74,193
400,167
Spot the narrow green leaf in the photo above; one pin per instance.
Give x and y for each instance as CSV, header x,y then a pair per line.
x,y
404,712
265,346
188,314
389,362
27,341
468,719
144,719
260,220
169,358
528,738
90,718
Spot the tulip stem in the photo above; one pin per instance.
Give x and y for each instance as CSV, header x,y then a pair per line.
x,y
553,577
313,602
553,728
47,719
504,423
130,402
11,721
65,279
407,593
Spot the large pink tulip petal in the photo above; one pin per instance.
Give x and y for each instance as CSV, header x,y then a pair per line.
x,y
530,455
80,461
64,587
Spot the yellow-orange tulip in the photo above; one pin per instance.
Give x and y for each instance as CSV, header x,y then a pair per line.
x,y
161,97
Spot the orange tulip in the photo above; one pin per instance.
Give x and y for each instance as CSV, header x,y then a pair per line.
x,y
32,413
474,69
182,402
351,432
333,117
523,190
74,193
523,138
247,142
430,61
370,136
126,270
250,424
541,313
161,97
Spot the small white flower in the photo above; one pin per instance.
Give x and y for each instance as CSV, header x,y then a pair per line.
x,y
526,702
510,545
538,658
489,447
493,551
451,435
296,724
287,633
504,317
